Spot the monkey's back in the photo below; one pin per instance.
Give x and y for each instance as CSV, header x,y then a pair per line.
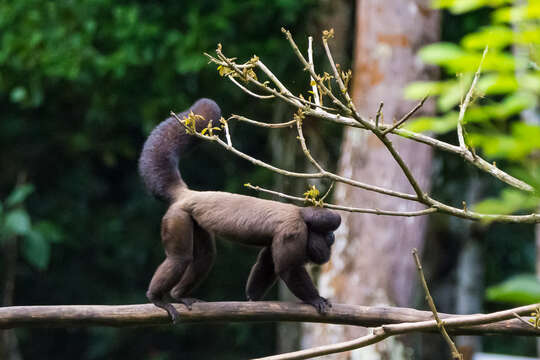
x,y
242,218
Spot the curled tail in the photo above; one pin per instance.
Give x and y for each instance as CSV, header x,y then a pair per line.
x,y
158,163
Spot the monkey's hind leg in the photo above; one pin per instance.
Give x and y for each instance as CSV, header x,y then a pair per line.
x,y
262,276
177,239
204,253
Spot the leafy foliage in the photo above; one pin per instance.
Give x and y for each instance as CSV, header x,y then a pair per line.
x,y
519,290
81,85
508,88
36,238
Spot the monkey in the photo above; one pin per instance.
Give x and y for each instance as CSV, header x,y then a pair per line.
x,y
290,236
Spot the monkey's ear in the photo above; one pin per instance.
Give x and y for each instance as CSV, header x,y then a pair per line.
x,y
320,220
289,249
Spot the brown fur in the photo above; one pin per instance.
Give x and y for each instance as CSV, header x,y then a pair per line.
x,y
290,236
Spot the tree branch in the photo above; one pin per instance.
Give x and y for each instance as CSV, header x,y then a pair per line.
x,y
465,104
346,208
455,353
382,332
257,311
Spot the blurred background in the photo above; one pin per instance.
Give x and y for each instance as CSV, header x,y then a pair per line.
x,y
82,83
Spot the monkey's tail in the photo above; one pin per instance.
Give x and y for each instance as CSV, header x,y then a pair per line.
x,y
158,163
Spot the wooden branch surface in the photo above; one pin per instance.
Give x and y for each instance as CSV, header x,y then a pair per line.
x,y
263,311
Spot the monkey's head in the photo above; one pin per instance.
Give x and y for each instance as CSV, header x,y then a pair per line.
x,y
321,225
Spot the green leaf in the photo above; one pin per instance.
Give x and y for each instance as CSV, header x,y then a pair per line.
x,y
17,222
497,84
440,53
18,94
508,202
519,290
452,95
36,250
495,37
421,89
439,125
19,194
50,231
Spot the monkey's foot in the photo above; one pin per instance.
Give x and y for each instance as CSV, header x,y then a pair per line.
x,y
173,313
188,301
321,304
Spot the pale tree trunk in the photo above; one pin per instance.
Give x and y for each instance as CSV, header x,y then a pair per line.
x,y
333,14
371,262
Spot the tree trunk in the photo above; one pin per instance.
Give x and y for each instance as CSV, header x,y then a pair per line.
x,y
333,14
371,262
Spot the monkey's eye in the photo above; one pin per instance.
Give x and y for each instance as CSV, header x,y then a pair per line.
x,y
329,238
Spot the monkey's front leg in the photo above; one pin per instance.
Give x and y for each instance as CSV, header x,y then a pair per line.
x,y
262,276
298,281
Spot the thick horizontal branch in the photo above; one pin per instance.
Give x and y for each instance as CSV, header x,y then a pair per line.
x,y
261,311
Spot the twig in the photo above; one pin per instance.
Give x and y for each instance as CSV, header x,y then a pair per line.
x,y
313,74
312,82
251,159
405,117
382,332
263,124
431,303
379,114
246,90
227,133
441,145
348,121
329,349
526,322
328,191
465,104
337,75
305,149
345,208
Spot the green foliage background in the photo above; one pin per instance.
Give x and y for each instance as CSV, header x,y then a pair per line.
x,y
81,85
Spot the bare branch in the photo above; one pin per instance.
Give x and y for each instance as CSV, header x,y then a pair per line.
x,y
455,353
382,332
304,146
405,117
247,91
337,75
149,315
251,159
379,114
263,124
526,322
314,87
465,104
317,78
346,208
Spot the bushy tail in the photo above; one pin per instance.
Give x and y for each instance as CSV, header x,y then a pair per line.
x,y
158,163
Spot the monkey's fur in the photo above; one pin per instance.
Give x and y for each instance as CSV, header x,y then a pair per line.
x,y
290,236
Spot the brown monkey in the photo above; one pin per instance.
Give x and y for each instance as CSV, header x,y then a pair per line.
x,y
290,236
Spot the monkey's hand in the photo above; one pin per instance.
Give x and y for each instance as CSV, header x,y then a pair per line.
x,y
321,304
